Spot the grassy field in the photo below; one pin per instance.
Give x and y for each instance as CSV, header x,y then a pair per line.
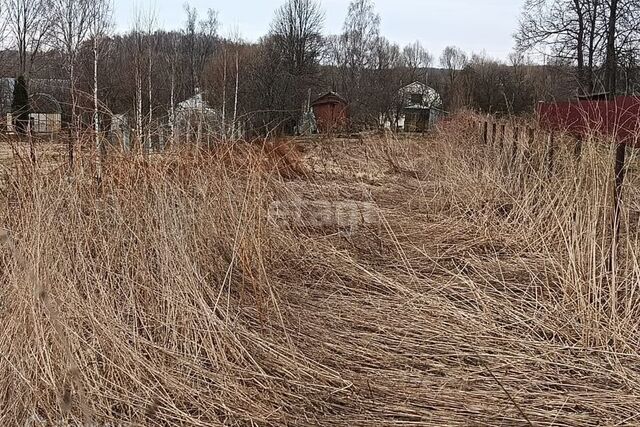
x,y
372,281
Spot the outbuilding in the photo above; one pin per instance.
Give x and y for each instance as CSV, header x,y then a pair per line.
x,y
331,112
418,108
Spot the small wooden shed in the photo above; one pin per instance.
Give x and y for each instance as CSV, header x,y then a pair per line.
x,y
331,112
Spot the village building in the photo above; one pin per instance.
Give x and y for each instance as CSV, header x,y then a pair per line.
x,y
120,131
46,114
194,112
195,116
417,109
44,99
331,112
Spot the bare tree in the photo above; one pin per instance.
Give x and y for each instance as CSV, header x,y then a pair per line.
x,y
138,59
71,22
579,31
99,27
235,99
453,60
358,43
224,94
388,55
173,67
611,62
29,23
390,75
200,37
563,29
361,34
297,32
150,23
4,34
416,58
190,36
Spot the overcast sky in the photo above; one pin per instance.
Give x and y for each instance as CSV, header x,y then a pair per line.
x,y
473,25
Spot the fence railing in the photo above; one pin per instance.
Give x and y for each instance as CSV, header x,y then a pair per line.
x,y
571,124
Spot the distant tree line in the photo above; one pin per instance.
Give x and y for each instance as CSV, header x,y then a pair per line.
x,y
145,72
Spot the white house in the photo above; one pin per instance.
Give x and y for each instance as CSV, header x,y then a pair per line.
x,y
195,110
418,108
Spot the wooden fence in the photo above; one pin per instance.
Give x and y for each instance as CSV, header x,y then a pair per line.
x,y
517,140
570,122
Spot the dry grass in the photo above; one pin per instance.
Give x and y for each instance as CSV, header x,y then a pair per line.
x,y
479,296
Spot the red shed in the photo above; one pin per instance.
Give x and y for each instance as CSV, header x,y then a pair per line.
x,y
331,112
619,116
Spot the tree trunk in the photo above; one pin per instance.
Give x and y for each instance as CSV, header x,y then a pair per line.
x,y
96,120
224,97
235,102
580,44
593,22
621,147
139,134
172,119
150,97
611,60
73,131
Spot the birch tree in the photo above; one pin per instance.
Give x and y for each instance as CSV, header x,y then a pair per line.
x,y
174,40
224,94
99,28
235,98
151,20
236,41
359,41
138,60
71,23
361,35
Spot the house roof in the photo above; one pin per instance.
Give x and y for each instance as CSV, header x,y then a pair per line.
x,y
196,102
418,87
431,98
44,103
328,97
46,95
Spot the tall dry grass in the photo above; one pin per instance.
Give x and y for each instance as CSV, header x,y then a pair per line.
x,y
169,296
